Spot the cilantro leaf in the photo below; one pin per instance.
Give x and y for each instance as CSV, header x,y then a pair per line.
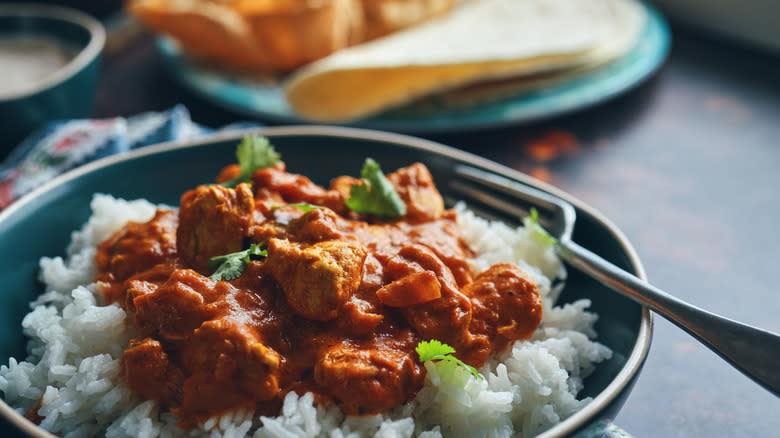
x,y
376,195
428,350
231,266
253,153
435,350
303,206
538,233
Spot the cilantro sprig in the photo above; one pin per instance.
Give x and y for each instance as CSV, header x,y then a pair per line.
x,y
435,350
376,195
231,266
253,153
538,233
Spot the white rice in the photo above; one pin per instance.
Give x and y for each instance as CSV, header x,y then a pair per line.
x,y
75,343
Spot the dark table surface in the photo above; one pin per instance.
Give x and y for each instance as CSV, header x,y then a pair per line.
x,y
686,164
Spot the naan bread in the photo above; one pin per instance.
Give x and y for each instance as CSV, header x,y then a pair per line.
x,y
481,40
277,35
254,35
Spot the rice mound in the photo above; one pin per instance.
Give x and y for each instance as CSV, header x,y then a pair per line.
x,y
75,343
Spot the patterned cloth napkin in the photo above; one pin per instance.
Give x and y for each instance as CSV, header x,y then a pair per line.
x,y
66,144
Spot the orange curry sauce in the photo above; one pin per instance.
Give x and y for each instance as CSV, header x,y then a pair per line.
x,y
336,308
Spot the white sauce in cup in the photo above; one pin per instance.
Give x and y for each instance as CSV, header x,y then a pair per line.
x,y
26,61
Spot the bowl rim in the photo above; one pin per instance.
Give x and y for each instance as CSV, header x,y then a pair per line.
x,y
610,393
85,56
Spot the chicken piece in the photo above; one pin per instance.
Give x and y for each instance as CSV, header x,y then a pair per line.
x,y
137,247
227,366
445,318
359,316
416,288
373,273
226,336
443,238
148,371
229,172
213,221
505,305
343,184
297,188
316,279
139,284
261,231
318,225
232,171
367,380
416,188
178,307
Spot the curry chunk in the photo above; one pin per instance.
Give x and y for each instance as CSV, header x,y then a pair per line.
x,y
367,380
213,221
442,236
318,225
138,247
416,288
296,188
317,279
505,305
360,316
177,307
445,318
343,184
148,370
416,188
251,358
227,366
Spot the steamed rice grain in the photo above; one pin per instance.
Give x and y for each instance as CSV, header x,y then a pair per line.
x,y
76,342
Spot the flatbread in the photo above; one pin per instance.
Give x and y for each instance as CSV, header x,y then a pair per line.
x,y
481,40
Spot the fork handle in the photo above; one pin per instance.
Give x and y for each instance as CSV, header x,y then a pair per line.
x,y
753,351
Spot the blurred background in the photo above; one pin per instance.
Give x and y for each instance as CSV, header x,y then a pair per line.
x,y
99,8
752,22
685,163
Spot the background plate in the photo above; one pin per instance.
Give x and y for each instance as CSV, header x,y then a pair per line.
x,y
264,99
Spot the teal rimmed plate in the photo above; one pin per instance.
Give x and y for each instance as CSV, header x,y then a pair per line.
x,y
265,100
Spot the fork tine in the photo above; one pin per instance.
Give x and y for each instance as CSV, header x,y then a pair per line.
x,y
482,211
503,194
488,205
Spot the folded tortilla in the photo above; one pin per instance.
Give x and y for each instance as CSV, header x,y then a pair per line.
x,y
482,40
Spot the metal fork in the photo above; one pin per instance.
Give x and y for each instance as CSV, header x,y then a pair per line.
x,y
753,351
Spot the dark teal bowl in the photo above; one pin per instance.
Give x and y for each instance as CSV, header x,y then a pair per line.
x,y
64,94
40,224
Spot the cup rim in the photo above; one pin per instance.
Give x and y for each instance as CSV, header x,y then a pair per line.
x,y
85,56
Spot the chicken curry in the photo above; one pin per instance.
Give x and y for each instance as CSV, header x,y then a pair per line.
x,y
334,304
